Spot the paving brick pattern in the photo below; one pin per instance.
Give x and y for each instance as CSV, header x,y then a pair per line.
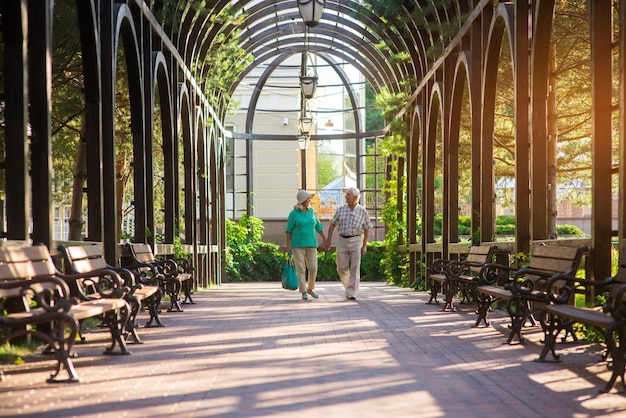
x,y
256,350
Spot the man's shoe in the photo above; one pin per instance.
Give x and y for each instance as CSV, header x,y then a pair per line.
x,y
313,294
351,298
304,296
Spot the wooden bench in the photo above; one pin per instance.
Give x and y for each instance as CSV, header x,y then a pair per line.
x,y
523,290
559,314
85,259
28,274
173,275
448,275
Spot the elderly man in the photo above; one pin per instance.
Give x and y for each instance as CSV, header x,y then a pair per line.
x,y
353,224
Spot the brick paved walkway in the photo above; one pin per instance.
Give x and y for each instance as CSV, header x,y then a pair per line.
x,y
255,350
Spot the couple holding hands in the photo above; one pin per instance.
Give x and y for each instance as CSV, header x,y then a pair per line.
x,y
353,226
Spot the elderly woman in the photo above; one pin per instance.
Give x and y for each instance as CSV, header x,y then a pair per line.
x,y
302,224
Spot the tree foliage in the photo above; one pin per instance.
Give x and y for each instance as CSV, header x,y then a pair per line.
x,y
66,101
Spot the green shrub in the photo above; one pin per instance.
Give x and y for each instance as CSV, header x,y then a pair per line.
x,y
465,230
247,258
372,267
326,266
465,221
568,230
505,220
520,259
437,224
588,332
505,229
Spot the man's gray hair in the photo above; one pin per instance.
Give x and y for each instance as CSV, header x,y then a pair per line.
x,y
354,191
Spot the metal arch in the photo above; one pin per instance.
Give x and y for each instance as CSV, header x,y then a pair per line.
x,y
256,43
386,35
351,93
256,93
195,45
160,69
417,48
288,6
185,111
282,13
255,38
460,83
413,157
161,78
506,12
462,80
435,109
375,63
540,54
498,26
298,46
377,77
335,39
124,27
86,16
341,9
193,23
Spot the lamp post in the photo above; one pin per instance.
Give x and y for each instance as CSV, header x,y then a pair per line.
x,y
305,123
311,11
308,76
308,84
304,128
303,142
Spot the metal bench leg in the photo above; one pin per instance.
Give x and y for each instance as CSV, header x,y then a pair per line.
x,y
152,303
450,290
520,312
131,325
483,305
552,326
187,284
618,354
435,287
116,321
63,335
171,287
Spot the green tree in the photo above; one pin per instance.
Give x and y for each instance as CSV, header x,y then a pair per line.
x,y
328,169
68,151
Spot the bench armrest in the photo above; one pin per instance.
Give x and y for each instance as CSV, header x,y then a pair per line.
x,y
616,306
50,293
527,281
560,287
492,273
106,282
184,266
438,266
456,268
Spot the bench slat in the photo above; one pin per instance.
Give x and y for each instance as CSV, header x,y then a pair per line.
x,y
90,264
555,251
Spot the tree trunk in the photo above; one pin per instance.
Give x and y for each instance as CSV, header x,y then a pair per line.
x,y
552,147
80,178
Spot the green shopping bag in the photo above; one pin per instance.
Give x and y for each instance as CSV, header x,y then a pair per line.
x,y
290,278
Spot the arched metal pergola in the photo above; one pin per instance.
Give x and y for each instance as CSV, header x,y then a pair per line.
x,y
450,49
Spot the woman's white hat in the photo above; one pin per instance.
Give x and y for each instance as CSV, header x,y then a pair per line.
x,y
302,196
